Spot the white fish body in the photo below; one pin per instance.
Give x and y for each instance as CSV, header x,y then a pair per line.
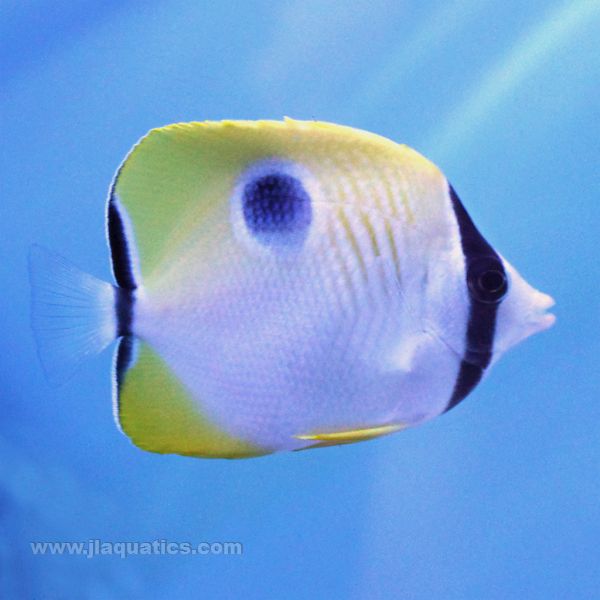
x,y
285,285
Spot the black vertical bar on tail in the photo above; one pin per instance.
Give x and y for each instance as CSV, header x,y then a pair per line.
x,y
124,358
124,302
482,316
119,248
118,242
121,264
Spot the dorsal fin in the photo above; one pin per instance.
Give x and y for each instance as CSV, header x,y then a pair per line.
x,y
178,176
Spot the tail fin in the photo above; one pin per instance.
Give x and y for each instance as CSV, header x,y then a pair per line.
x,y
72,313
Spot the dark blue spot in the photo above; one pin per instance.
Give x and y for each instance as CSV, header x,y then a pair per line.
x,y
277,209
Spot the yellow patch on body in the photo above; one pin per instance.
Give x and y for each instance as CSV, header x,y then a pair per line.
x,y
157,413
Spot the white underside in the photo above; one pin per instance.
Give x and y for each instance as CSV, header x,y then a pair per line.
x,y
279,347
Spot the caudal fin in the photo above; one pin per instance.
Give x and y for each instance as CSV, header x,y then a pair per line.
x,y
72,313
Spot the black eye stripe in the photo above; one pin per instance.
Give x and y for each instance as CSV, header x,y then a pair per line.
x,y
480,261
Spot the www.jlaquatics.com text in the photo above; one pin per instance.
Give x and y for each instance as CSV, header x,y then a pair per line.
x,y
97,547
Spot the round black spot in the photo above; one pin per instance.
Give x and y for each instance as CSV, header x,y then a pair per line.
x,y
277,208
487,280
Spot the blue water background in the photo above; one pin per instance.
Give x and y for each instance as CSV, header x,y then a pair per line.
x,y
500,498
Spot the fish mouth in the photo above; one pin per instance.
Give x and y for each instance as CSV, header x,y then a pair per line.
x,y
540,319
523,320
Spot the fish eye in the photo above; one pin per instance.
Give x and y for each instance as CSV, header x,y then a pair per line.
x,y
487,280
276,208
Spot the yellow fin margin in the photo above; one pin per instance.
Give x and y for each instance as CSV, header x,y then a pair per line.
x,y
156,412
179,177
351,436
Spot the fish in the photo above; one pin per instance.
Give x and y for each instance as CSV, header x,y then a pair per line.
x,y
280,286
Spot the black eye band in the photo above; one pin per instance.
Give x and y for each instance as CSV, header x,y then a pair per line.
x,y
487,284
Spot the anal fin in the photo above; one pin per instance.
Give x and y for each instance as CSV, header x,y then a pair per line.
x,y
350,436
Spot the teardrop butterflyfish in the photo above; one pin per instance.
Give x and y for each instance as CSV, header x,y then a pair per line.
x,y
282,285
